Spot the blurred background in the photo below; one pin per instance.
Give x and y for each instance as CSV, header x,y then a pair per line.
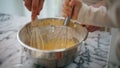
x,y
16,7
13,7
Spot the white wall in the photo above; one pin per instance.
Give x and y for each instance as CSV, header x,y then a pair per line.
x,y
51,8
13,7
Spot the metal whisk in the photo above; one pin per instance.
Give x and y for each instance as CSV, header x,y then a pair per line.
x,y
36,39
60,33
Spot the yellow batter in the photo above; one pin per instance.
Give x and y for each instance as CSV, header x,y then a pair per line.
x,y
56,44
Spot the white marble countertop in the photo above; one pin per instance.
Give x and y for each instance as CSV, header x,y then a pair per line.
x,y
94,52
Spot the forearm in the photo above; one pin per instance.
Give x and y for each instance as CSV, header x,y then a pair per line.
x,y
94,16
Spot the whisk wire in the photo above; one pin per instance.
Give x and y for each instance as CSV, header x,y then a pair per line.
x,y
37,41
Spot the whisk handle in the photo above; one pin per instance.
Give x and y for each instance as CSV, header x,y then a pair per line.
x,y
67,19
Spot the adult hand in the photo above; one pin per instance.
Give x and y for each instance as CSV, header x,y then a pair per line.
x,y
91,28
67,8
35,6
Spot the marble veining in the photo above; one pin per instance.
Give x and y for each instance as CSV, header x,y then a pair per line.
x,y
4,17
94,51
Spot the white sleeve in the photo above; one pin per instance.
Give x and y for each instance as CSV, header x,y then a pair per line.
x,y
94,16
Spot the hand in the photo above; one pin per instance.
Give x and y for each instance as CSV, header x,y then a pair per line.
x,y
91,28
35,6
67,8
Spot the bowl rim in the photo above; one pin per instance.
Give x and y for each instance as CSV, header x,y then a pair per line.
x,y
56,50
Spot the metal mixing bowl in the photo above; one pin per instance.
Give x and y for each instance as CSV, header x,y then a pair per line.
x,y
58,57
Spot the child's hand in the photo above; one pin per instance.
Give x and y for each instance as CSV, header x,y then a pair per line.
x,y
34,6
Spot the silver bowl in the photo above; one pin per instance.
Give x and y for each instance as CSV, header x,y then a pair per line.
x,y
58,57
